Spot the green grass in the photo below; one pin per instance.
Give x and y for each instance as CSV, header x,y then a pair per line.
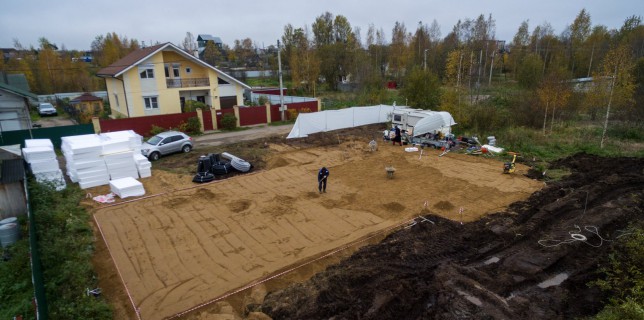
x,y
16,289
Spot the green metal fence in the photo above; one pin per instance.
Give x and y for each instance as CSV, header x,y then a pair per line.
x,y
36,268
53,133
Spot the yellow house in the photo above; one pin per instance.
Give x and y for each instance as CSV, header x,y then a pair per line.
x,y
87,103
160,79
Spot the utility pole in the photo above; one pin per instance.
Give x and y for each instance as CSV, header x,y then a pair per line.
x,y
279,64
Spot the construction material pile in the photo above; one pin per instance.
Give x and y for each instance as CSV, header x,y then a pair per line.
x,y
94,160
40,155
127,187
213,164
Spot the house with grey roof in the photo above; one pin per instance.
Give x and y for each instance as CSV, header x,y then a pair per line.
x,y
15,100
202,41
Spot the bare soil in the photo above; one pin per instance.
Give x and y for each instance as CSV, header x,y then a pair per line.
x,y
215,251
532,260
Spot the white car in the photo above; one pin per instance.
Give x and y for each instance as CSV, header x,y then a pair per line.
x,y
166,143
47,109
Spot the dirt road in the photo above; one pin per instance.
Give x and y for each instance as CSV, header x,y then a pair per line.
x,y
221,138
57,121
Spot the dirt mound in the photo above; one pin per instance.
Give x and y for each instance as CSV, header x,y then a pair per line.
x,y
531,261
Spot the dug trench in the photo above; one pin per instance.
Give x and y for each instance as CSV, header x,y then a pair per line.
x,y
531,261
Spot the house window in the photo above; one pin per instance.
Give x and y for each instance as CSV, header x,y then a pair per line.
x,y
147,73
151,103
116,97
188,70
167,72
175,70
222,81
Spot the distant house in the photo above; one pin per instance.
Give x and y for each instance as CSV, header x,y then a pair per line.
x,y
160,79
87,103
8,53
15,102
202,41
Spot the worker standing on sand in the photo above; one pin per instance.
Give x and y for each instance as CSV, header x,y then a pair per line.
x,y
397,137
323,174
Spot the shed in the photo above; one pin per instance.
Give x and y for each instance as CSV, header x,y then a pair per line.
x,y
87,103
13,201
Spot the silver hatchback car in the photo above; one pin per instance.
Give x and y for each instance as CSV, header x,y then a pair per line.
x,y
166,143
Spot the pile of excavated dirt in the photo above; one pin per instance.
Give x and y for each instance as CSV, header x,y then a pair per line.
x,y
530,261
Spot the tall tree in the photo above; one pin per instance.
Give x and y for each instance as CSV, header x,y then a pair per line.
x,y
111,47
554,91
323,30
530,70
422,89
212,55
579,32
399,56
619,90
189,43
48,67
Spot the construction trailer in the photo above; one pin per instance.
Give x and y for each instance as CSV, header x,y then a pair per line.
x,y
409,120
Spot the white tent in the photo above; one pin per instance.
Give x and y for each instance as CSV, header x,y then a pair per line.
x,y
437,121
330,120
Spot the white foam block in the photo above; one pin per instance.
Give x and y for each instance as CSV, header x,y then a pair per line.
x,y
127,187
30,143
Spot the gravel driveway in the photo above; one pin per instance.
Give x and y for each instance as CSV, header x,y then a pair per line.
x,y
57,121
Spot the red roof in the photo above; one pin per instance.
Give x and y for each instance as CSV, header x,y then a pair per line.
x,y
86,97
127,61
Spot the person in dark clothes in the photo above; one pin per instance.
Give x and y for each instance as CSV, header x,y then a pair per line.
x,y
323,174
397,137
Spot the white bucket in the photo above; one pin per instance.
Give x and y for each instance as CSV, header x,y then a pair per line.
x,y
9,234
9,220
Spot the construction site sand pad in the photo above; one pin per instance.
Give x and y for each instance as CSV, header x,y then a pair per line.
x,y
185,248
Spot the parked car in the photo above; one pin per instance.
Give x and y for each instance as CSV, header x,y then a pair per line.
x,y
47,109
166,143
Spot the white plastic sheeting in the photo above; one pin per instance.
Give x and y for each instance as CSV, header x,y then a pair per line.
x,y
436,121
329,120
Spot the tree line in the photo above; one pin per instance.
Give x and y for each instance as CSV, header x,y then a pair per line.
x,y
431,70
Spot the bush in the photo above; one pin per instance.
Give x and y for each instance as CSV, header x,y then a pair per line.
x,y
229,121
193,125
262,100
156,130
192,105
623,277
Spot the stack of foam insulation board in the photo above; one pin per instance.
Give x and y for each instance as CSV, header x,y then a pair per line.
x,y
40,155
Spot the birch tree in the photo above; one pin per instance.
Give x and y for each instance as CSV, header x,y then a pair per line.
x,y
619,91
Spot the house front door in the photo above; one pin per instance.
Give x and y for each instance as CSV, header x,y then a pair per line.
x,y
182,100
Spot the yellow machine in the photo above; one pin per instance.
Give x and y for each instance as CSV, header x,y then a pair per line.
x,y
509,167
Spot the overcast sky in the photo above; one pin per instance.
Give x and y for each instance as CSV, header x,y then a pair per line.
x,y
75,23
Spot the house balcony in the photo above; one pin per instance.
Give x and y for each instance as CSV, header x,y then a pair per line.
x,y
187,82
